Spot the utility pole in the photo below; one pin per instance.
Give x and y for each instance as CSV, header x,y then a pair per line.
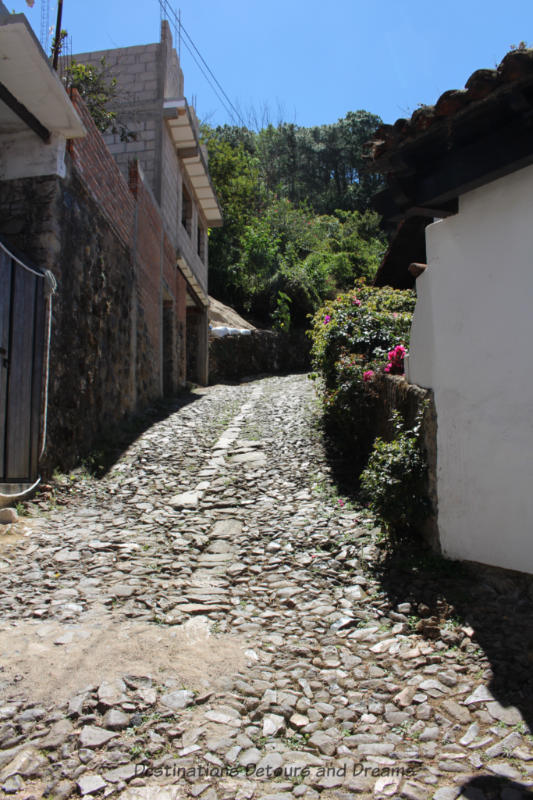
x,y
57,40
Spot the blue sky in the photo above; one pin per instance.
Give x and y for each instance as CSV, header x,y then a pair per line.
x,y
310,62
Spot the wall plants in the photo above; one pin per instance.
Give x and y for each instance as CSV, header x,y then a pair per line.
x,y
355,336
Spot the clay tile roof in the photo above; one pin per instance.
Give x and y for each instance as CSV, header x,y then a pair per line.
x,y
470,136
516,66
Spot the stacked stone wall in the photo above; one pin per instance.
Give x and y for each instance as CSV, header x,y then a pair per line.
x,y
395,394
104,240
239,356
91,381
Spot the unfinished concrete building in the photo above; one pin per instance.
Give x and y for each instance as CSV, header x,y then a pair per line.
x,y
151,104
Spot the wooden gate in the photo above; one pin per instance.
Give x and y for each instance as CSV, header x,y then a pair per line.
x,y
22,350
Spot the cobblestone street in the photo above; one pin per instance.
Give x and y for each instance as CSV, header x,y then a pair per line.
x,y
212,620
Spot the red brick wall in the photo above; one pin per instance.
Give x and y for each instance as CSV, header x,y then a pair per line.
x,y
100,174
181,325
157,276
136,219
148,258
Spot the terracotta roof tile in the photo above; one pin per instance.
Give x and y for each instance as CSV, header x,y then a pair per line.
x,y
516,67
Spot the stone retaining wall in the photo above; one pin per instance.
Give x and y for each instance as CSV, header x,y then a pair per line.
x,y
396,394
237,356
104,240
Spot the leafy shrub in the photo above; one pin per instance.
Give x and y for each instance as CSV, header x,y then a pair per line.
x,y
395,479
307,257
367,321
282,315
98,92
351,337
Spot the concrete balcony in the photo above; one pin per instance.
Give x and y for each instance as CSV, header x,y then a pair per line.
x,y
190,263
183,128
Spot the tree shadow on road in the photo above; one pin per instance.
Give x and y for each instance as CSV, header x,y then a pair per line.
x,y
110,446
471,607
492,788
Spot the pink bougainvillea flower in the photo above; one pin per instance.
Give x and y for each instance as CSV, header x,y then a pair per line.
x,y
396,360
356,301
394,314
327,319
341,502
368,375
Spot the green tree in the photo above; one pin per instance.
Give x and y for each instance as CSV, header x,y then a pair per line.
x,y
296,223
98,92
235,175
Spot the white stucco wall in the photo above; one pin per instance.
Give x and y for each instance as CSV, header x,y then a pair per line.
x,y
472,343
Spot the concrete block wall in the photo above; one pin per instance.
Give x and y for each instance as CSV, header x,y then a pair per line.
x,y
147,75
173,84
138,106
171,183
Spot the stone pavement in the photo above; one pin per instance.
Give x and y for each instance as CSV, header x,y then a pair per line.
x,y
209,621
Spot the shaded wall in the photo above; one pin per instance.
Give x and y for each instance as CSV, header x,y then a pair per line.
x,y
103,239
471,343
395,394
240,355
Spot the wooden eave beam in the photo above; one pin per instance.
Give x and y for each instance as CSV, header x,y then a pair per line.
x,y
386,205
498,153
441,178
24,114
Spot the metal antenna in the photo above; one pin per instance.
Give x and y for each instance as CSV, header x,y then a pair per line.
x,y
45,24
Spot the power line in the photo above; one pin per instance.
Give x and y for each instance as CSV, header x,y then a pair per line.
x,y
183,37
213,76
235,116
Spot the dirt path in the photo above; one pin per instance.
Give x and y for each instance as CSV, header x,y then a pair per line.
x,y
208,620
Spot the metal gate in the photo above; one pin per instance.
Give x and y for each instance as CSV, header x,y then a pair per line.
x,y
22,353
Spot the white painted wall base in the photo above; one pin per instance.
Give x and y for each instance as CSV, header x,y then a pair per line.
x,y
471,342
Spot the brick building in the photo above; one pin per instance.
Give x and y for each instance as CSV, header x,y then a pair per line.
x,y
150,103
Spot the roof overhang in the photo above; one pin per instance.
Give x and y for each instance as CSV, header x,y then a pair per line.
x,y
182,129
32,96
469,138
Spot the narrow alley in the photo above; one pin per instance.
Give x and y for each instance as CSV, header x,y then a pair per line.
x,y
209,620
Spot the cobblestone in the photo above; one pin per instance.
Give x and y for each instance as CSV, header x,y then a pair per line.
x,y
207,620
